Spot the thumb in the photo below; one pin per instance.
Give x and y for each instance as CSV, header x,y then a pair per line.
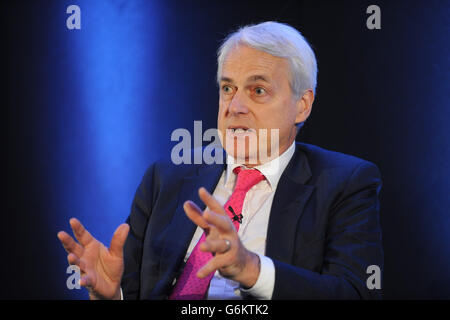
x,y
118,240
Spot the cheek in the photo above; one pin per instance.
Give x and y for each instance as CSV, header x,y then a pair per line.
x,y
221,118
281,116
289,112
222,105
220,112
274,116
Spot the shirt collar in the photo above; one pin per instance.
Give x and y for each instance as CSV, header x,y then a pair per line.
x,y
272,170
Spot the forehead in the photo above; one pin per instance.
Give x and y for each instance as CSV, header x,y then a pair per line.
x,y
244,62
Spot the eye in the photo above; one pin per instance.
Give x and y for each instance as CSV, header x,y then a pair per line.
x,y
260,91
227,89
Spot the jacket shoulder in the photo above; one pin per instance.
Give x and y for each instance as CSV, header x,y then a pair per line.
x,y
321,159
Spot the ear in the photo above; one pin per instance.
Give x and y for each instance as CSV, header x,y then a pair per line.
x,y
304,106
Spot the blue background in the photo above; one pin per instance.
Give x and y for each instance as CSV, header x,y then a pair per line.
x,y
87,111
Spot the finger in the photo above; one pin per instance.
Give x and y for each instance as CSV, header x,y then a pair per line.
x,y
87,281
213,264
195,214
69,244
118,240
75,260
210,201
83,236
215,245
222,223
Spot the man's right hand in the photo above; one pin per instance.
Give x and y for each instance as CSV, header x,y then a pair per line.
x,y
101,268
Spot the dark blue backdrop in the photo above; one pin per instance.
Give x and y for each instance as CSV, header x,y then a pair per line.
x,y
86,112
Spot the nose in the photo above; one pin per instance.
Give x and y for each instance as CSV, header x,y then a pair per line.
x,y
237,104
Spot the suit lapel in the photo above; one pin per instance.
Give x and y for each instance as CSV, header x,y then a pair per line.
x,y
181,227
287,207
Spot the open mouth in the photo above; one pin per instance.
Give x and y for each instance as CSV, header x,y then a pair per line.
x,y
240,130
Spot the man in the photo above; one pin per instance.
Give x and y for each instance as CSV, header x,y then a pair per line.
x,y
302,223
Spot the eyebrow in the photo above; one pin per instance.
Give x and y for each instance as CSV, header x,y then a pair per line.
x,y
253,78
257,78
225,79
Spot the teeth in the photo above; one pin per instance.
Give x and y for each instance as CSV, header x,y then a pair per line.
x,y
240,130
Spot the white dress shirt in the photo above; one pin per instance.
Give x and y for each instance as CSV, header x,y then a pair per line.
x,y
253,230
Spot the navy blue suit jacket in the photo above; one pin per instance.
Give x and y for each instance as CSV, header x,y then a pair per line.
x,y
323,233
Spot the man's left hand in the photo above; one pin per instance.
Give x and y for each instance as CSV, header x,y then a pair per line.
x,y
230,256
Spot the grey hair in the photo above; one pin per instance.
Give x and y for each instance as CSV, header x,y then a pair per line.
x,y
280,40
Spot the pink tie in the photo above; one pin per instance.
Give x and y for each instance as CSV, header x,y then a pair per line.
x,y
188,286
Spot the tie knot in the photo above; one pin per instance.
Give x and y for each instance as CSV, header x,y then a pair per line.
x,y
247,178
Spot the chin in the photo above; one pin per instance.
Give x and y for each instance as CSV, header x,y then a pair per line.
x,y
242,155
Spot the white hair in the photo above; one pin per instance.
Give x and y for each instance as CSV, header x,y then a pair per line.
x,y
280,40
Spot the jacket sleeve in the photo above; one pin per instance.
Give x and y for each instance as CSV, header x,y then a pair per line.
x,y
138,221
352,244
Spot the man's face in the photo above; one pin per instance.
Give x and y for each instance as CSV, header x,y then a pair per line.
x,y
255,94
